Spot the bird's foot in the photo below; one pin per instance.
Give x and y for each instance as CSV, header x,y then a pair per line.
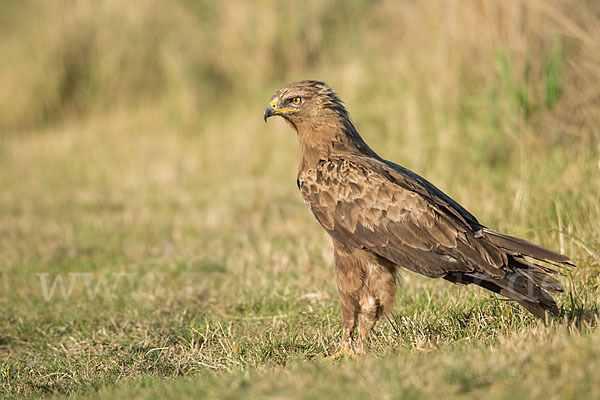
x,y
346,350
340,354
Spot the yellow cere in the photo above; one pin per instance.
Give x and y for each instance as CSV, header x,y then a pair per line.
x,y
273,105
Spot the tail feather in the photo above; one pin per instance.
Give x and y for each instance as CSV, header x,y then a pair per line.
x,y
543,280
514,286
520,246
538,309
519,277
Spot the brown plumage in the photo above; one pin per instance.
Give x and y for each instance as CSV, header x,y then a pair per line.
x,y
382,216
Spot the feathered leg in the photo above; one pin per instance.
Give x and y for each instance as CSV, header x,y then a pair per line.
x,y
377,296
367,288
348,283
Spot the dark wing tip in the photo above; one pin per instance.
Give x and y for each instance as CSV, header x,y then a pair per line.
x,y
526,248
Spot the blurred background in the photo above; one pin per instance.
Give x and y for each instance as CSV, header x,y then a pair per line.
x,y
134,129
132,144
418,68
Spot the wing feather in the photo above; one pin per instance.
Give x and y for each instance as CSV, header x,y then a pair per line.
x,y
375,205
361,207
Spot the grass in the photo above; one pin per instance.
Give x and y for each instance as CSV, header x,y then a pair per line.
x,y
135,169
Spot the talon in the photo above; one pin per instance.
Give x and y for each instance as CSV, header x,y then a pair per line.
x,y
344,351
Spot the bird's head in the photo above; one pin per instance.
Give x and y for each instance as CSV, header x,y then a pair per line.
x,y
319,117
305,103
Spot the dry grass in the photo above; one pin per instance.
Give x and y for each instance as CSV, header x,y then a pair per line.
x,y
134,163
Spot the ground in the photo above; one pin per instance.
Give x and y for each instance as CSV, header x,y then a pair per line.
x,y
169,273
153,242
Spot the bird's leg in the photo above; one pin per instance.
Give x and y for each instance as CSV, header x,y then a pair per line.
x,y
349,317
349,282
365,326
349,322
366,323
377,296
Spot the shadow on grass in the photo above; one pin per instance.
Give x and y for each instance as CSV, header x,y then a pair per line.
x,y
486,322
579,315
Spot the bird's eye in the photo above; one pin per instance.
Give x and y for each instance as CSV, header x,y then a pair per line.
x,y
296,101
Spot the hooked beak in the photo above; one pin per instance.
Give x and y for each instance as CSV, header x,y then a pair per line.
x,y
273,109
270,110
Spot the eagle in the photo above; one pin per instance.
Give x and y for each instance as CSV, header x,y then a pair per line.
x,y
382,217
